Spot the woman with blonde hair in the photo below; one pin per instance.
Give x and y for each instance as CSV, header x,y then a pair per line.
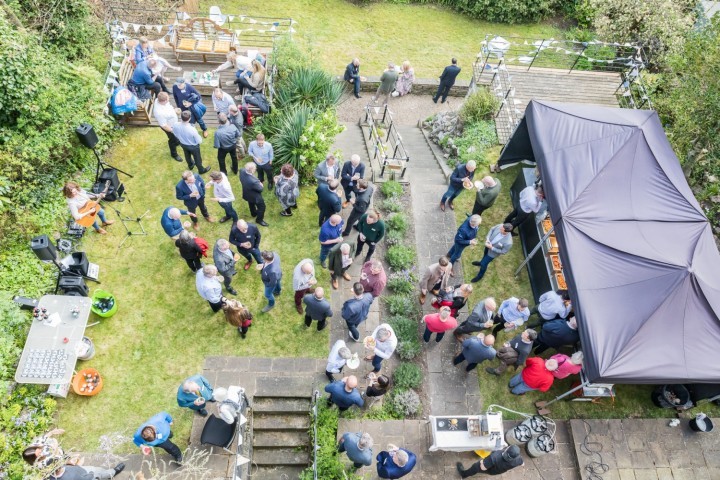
x,y
237,316
255,81
405,80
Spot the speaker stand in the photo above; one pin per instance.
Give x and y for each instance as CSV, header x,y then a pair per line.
x,y
124,219
102,164
66,272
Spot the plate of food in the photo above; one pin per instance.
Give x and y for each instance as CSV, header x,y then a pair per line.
x,y
369,343
479,185
467,183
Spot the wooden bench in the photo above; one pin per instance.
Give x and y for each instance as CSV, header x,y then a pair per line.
x,y
201,39
143,114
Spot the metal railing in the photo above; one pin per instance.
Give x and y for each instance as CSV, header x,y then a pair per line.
x,y
316,447
389,149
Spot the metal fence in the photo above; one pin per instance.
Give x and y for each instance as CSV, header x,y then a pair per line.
x,y
389,150
316,447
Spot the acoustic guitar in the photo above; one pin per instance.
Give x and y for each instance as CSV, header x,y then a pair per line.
x,y
89,219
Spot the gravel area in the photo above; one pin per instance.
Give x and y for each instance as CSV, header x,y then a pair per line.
x,y
406,110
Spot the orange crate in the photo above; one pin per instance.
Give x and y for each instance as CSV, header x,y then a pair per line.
x,y
546,225
561,281
556,264
553,244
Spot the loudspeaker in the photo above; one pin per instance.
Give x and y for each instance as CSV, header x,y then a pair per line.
x,y
116,188
72,285
43,249
86,135
80,263
26,303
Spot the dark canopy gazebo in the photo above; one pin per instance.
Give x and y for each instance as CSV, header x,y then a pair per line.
x,y
638,252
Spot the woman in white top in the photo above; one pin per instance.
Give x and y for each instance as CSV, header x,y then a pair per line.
x,y
256,81
161,66
76,199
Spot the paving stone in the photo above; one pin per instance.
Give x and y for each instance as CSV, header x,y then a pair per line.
x,y
703,474
642,460
215,363
283,365
261,364
664,474
683,474
645,474
299,386
712,458
626,474
615,431
570,474
637,442
225,378
239,364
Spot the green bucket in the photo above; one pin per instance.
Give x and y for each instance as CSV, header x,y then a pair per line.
x,y
99,306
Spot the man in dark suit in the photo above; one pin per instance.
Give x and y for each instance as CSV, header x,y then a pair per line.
x,y
447,80
252,192
271,275
246,237
361,202
191,190
328,200
352,76
352,171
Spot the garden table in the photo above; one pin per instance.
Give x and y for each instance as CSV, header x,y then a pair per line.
x,y
49,355
453,433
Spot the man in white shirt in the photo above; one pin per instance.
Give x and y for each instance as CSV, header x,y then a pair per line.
x,y
530,201
222,101
190,141
339,355
513,313
223,195
209,286
498,242
262,153
303,280
167,116
385,343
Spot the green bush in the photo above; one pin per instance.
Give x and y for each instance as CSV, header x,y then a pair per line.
x,y
289,55
481,105
312,87
409,349
392,205
406,403
398,222
504,11
400,257
475,141
391,189
394,237
399,304
404,327
329,464
407,375
400,285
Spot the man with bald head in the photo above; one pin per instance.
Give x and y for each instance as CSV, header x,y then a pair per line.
x,y
252,189
344,393
170,221
476,350
303,281
246,237
352,76
352,171
486,196
330,234
328,200
209,286
339,261
482,314
317,308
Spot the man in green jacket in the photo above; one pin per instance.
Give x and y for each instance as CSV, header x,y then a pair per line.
x,y
387,83
339,260
371,230
486,196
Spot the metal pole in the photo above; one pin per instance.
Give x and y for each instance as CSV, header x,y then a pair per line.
x,y
578,57
534,250
504,100
537,54
560,397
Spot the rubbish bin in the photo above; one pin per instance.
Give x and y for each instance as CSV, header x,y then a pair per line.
x,y
85,349
104,304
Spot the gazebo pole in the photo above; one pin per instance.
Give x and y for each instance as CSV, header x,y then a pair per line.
x,y
534,250
542,405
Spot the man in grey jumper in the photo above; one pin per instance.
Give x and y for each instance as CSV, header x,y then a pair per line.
x,y
387,83
476,350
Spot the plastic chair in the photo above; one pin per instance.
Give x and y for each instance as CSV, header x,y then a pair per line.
x,y
218,432
216,15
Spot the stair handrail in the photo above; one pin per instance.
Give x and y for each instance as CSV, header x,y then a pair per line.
x,y
395,149
316,447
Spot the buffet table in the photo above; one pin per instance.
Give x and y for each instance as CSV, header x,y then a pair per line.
x,y
467,433
49,355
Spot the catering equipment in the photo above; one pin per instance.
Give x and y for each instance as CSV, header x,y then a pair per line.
x,y
464,433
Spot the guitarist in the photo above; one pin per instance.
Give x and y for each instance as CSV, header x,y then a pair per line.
x,y
77,198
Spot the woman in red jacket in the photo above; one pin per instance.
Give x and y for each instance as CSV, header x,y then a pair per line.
x,y
537,375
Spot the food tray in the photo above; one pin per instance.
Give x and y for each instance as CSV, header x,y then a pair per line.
x,y
553,244
546,225
561,281
556,264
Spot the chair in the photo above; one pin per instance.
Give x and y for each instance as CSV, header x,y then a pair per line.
x,y
216,15
218,432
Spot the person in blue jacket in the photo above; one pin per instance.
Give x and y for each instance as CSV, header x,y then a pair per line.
x,y
557,333
194,393
463,172
170,221
466,235
395,463
156,433
344,393
142,77
191,190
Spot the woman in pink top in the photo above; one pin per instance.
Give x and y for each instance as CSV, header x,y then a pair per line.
x,y
568,365
438,323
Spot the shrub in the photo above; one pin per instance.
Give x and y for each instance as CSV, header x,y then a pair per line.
x,y
407,375
400,257
399,304
404,327
406,403
391,189
392,205
400,285
289,56
504,11
397,221
312,87
475,141
394,237
409,349
481,105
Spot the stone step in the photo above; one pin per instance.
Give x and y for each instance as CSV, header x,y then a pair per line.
x,y
300,386
281,405
280,456
284,421
269,472
280,438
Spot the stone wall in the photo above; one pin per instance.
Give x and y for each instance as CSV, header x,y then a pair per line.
x,y
422,86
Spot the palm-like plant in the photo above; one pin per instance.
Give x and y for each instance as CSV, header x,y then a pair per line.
x,y
311,87
290,125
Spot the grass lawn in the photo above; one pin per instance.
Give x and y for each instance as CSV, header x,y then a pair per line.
x,y
163,330
427,35
631,400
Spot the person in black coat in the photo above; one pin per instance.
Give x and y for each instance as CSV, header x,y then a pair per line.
x,y
557,333
191,190
252,192
447,80
352,171
352,76
497,463
361,202
329,201
246,237
190,251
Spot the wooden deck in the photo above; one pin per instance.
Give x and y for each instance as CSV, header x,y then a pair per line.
x,y
595,88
